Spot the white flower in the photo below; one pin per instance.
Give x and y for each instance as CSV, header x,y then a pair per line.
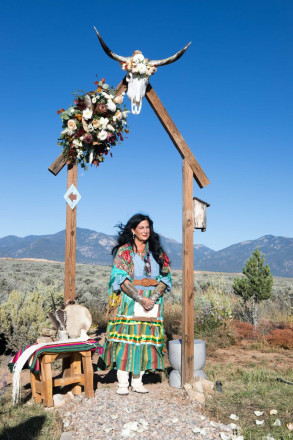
x,y
67,131
79,152
138,58
141,68
124,114
90,127
277,422
87,113
258,413
104,122
102,135
259,422
106,95
72,110
77,143
94,100
109,127
111,106
273,412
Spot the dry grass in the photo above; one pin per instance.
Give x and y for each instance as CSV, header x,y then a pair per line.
x,y
252,388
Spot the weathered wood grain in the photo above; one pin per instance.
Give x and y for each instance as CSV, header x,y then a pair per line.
x,y
70,239
187,353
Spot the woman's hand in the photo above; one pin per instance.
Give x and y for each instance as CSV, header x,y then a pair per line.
x,y
147,303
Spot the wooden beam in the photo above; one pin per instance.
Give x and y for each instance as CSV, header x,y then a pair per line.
x,y
187,353
176,136
70,239
57,165
60,162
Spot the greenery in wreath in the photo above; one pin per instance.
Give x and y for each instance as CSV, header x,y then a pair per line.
x,y
92,126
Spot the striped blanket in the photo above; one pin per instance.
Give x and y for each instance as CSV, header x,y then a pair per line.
x,y
34,364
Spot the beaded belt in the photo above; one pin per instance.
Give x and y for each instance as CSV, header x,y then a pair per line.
x,y
146,282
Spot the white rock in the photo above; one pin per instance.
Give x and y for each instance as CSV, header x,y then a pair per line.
x,y
277,422
258,413
174,420
259,422
132,426
202,417
238,437
58,400
197,430
233,426
125,433
273,412
223,436
212,423
114,416
66,423
234,417
144,423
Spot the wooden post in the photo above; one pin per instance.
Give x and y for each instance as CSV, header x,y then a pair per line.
x,y
70,240
187,353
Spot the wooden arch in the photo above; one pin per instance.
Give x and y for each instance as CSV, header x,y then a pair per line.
x,y
190,170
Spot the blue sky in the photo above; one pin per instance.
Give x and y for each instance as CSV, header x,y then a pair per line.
x,y
230,95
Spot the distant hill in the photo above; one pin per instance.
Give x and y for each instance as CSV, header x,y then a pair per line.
x,y
95,248
278,252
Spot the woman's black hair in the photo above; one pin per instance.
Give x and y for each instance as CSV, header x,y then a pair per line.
x,y
125,235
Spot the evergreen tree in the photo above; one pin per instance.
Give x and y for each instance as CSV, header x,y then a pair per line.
x,y
255,286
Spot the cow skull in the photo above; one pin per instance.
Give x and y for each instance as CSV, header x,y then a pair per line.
x,y
136,90
139,70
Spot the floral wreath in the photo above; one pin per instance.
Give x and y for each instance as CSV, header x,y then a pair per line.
x,y
139,65
92,126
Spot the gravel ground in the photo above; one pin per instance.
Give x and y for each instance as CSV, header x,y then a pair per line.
x,y
164,413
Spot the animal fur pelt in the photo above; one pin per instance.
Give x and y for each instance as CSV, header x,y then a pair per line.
x,y
78,319
71,317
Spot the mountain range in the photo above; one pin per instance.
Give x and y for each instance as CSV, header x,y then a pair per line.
x,y
95,248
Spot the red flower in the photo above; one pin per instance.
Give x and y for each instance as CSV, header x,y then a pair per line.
x,y
166,259
111,138
126,256
88,138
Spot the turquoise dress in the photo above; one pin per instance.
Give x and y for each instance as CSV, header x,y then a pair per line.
x,y
133,345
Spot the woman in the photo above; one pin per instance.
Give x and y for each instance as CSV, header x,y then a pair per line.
x,y
139,278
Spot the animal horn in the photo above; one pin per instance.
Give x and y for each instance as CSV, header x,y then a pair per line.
x,y
170,59
108,51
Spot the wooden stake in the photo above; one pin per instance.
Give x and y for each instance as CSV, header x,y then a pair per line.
x,y
70,240
187,354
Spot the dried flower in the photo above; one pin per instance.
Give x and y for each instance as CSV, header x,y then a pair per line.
x,y
102,108
88,138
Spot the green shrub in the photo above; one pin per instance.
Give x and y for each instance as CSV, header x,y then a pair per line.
x,y
211,310
25,314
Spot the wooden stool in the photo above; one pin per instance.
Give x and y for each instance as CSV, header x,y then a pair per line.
x,y
42,384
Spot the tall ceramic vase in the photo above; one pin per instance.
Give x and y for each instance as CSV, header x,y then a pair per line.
x,y
175,360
